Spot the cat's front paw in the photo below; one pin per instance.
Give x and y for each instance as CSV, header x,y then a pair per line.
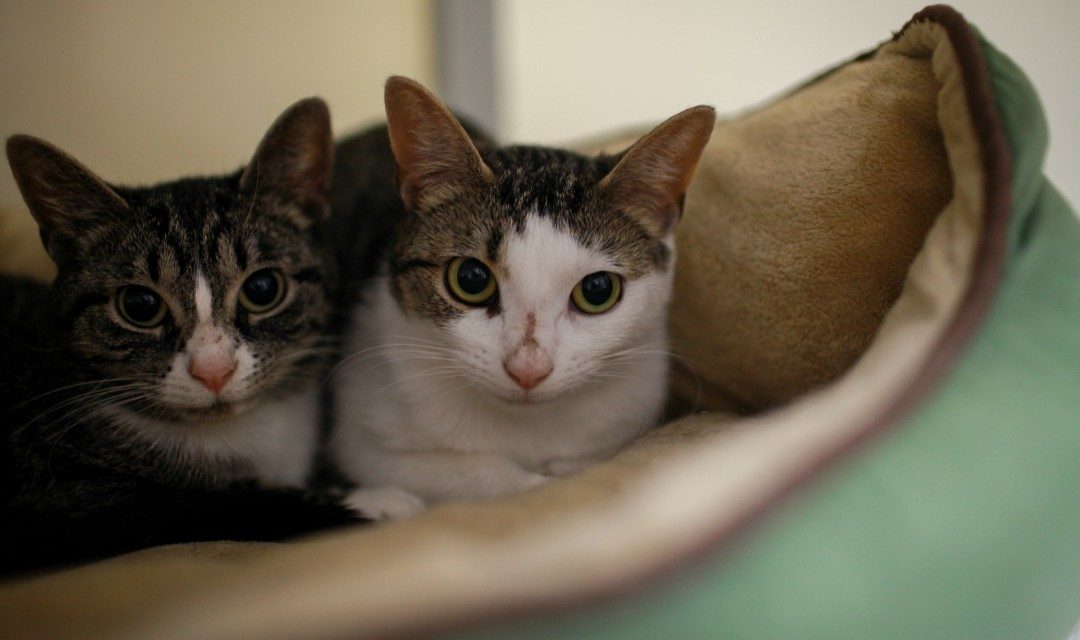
x,y
384,503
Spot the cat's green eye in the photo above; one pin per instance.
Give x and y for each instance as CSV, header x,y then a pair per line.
x,y
470,281
262,291
140,306
597,292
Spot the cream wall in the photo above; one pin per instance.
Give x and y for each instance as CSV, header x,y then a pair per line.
x,y
142,91
570,68
147,90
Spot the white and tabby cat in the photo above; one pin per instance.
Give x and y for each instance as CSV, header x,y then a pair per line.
x,y
517,332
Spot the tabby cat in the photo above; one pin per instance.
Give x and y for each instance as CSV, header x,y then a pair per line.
x,y
165,387
515,330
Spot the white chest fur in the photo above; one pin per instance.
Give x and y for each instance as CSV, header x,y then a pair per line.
x,y
275,440
408,417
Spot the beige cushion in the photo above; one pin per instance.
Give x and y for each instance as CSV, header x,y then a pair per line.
x,y
798,231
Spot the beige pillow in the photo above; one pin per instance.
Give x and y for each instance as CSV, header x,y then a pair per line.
x,y
798,232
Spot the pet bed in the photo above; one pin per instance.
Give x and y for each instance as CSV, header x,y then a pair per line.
x,y
878,321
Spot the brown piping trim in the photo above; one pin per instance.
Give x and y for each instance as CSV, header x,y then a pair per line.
x,y
988,263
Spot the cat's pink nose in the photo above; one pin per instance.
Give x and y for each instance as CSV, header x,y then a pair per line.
x,y
213,373
528,369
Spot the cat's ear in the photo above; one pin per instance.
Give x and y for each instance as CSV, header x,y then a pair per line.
x,y
69,202
435,156
293,162
650,180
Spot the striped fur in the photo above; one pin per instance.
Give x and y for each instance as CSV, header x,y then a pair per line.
x,y
110,442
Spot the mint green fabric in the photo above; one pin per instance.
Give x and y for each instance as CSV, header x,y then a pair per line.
x,y
964,522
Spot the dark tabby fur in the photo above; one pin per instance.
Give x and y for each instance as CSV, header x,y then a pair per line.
x,y
76,484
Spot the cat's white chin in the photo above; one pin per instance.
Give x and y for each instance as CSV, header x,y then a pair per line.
x,y
274,436
533,398
219,411
525,398
206,407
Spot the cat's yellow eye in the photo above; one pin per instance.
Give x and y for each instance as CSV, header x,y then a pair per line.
x,y
597,292
140,306
262,291
470,281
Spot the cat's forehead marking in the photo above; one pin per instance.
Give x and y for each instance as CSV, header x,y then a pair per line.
x,y
542,261
561,186
204,300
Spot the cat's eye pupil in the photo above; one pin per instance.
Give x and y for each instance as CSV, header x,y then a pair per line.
x,y
597,292
470,281
596,288
473,276
262,291
261,288
140,304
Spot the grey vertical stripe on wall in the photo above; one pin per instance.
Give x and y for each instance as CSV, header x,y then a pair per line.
x,y
465,62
